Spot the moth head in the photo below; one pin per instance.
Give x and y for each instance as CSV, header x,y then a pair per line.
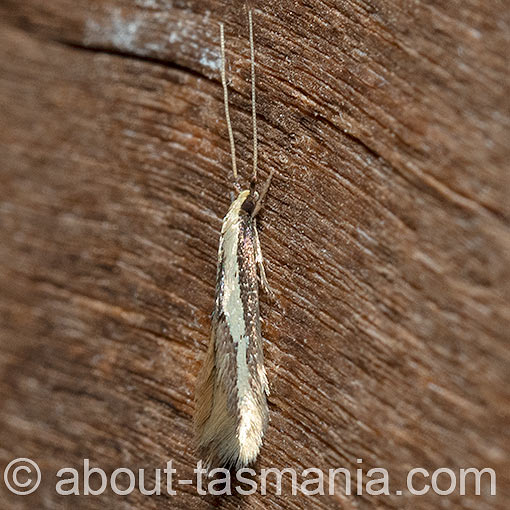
x,y
250,201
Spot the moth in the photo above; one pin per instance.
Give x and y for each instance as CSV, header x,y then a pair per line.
x,y
231,411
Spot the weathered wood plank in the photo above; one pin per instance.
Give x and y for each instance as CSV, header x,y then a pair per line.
x,y
386,235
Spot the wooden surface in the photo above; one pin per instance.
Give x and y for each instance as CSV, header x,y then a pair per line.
x,y
386,234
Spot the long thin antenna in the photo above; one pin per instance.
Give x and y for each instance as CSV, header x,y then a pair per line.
x,y
227,113
253,107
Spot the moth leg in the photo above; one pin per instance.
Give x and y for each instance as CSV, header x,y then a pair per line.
x,y
262,195
260,264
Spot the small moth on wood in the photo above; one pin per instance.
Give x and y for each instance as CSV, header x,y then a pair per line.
x,y
231,412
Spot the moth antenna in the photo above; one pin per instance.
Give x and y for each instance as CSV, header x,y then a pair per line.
x,y
227,111
253,105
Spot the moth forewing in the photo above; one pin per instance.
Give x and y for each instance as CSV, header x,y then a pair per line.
x,y
232,414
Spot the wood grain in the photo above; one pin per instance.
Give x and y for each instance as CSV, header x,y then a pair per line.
x,y
386,234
